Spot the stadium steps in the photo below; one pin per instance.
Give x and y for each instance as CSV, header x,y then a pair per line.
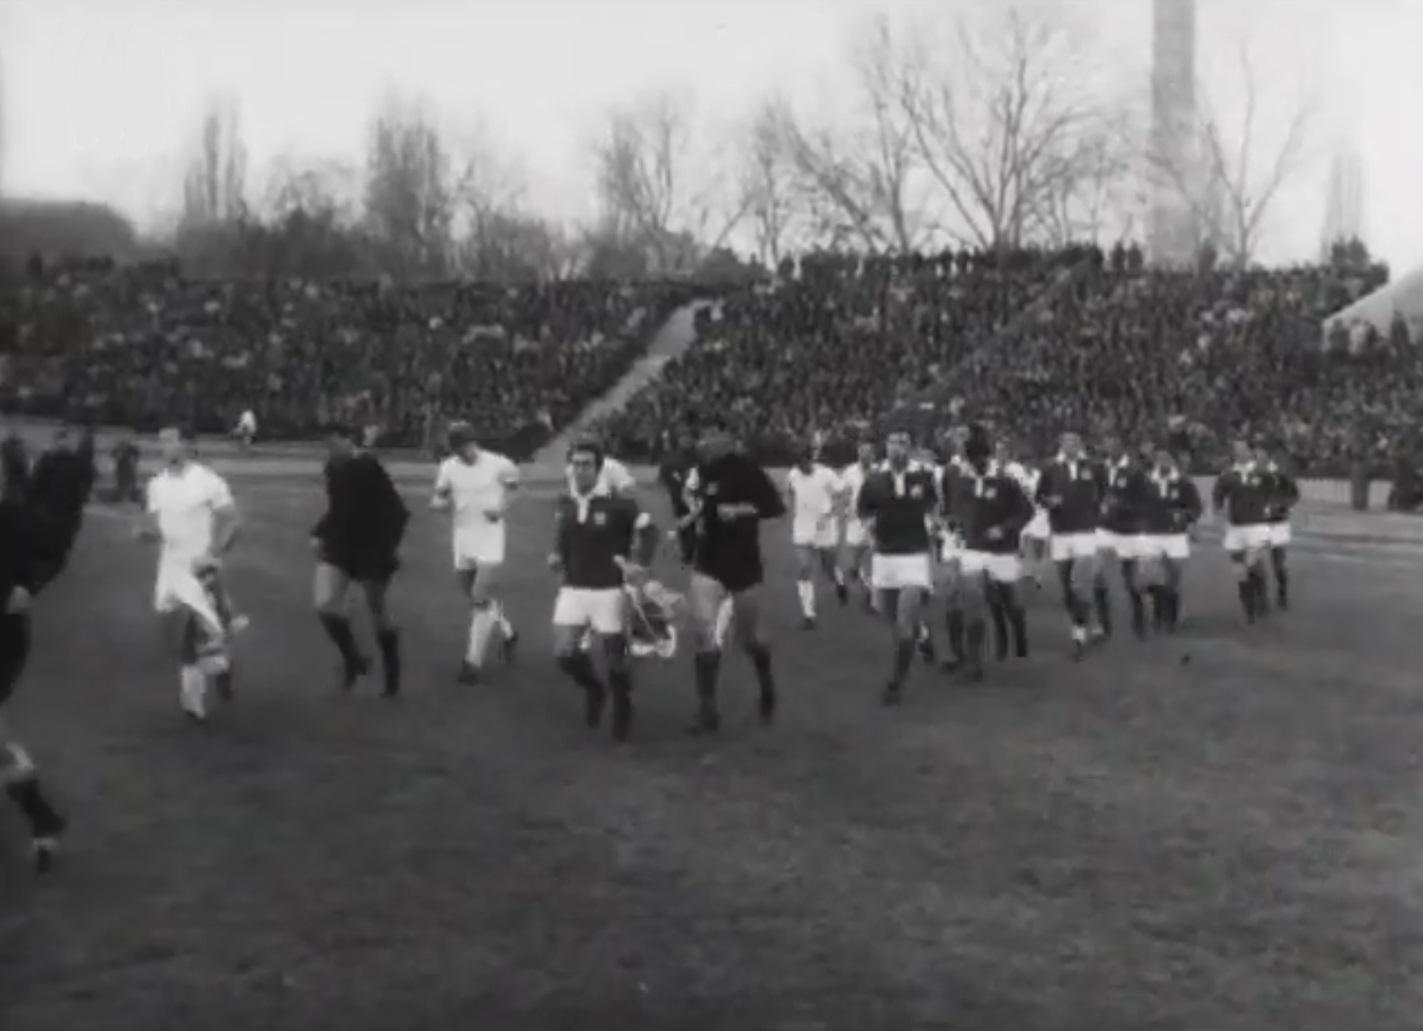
x,y
671,341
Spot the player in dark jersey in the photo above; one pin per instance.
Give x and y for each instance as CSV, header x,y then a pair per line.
x,y
125,457
729,495
1172,508
1122,513
990,508
1072,487
1283,495
1242,495
59,487
601,541
672,473
356,541
897,503
18,583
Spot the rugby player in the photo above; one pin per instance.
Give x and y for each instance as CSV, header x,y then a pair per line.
x,y
813,491
59,488
125,457
1242,496
1283,495
1121,531
356,541
897,502
246,429
190,511
1072,488
602,539
991,508
17,585
947,537
672,473
852,479
729,495
615,477
1035,535
477,487
1172,508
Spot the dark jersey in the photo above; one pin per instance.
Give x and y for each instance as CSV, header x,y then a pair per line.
x,y
900,504
1072,492
1125,500
1173,505
1281,493
59,486
672,474
990,511
18,550
593,533
1242,493
365,515
125,456
729,550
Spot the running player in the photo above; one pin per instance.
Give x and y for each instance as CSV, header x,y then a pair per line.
x,y
1072,488
602,539
991,508
125,457
17,584
948,538
672,473
1121,532
476,486
1242,496
896,504
356,542
246,429
812,491
852,479
1283,495
1036,534
1171,510
729,495
191,513
615,477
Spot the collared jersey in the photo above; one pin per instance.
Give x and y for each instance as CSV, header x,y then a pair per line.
x,y
185,500
730,550
594,531
1078,487
900,502
813,492
365,514
475,488
1173,504
1282,493
1243,494
852,480
981,503
1125,499
614,477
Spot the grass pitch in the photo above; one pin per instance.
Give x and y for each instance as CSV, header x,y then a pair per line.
x,y
1205,833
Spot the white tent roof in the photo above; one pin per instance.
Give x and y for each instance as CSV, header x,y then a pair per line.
x,y
1403,295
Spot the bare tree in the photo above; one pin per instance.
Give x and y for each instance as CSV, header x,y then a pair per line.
x,y
214,186
658,190
1005,121
1232,174
409,201
768,184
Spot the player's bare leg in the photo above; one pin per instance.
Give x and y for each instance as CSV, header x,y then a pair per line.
x,y
1134,596
830,569
903,611
923,633
1007,608
1243,564
706,599
1101,597
1036,559
577,663
748,624
855,571
951,587
973,590
805,585
180,637
1282,575
18,773
1078,613
479,585
376,593
1169,598
329,588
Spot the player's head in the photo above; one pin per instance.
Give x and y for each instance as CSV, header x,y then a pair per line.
x,y
175,444
805,457
1003,450
586,460
1264,453
1070,444
978,446
1112,447
342,440
714,440
898,444
1242,452
460,437
865,453
1165,460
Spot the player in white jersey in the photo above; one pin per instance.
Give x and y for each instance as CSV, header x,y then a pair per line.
x,y
476,486
190,511
614,478
856,540
246,429
813,492
1035,535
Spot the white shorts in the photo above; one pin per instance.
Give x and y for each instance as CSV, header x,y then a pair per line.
x,y
1066,547
603,609
178,587
813,532
855,536
950,546
901,572
1252,537
1280,535
1122,545
1038,528
1001,568
478,546
1175,546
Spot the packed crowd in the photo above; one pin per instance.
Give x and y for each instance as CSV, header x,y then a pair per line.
x,y
1042,342
140,345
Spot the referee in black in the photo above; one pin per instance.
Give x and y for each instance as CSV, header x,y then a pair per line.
x,y
19,545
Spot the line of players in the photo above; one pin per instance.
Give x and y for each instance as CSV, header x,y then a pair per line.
x,y
972,527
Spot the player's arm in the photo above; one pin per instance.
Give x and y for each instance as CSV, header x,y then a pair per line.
x,y
443,492
18,574
508,479
226,519
558,549
1018,508
1047,495
764,500
643,534
1220,493
148,521
1190,507
394,514
1289,490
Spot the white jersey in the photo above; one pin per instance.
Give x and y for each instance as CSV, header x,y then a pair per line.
x,y
185,502
1025,478
852,480
614,478
477,491
813,493
247,422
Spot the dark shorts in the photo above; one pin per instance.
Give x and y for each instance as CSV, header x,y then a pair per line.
x,y
14,652
363,567
734,580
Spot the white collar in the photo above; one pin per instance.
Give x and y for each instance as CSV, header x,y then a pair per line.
x,y
1244,468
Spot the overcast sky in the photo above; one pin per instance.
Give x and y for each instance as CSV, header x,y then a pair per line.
x,y
101,97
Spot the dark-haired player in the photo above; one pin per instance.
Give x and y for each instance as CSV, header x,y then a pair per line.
x,y
1072,488
59,488
1242,495
729,495
125,457
1283,494
1172,508
356,542
897,503
18,583
991,509
1121,531
602,539
477,486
